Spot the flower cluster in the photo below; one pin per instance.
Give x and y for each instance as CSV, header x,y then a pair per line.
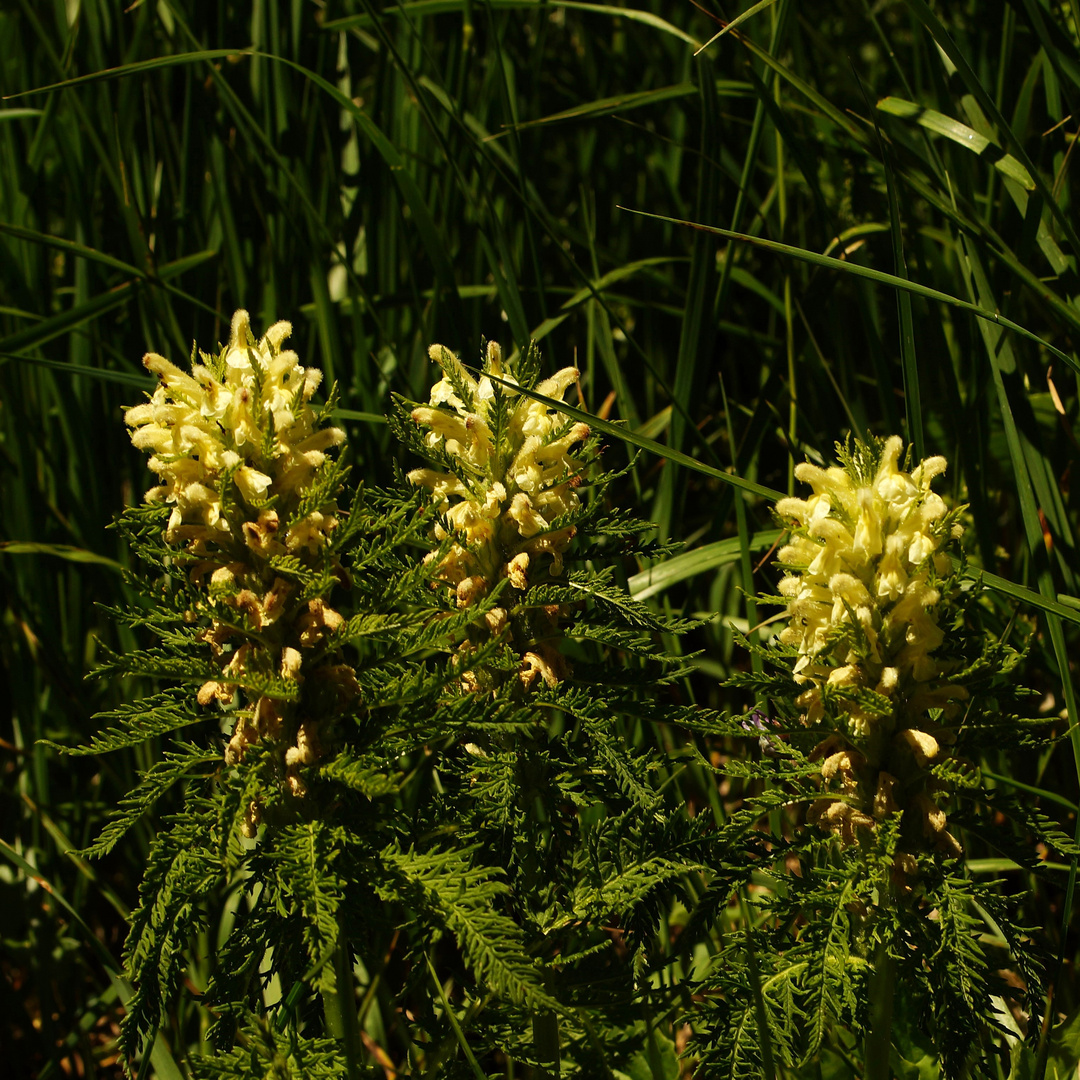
x,y
242,458
508,485
866,571
241,423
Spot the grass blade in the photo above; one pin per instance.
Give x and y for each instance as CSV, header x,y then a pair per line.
x,y
845,267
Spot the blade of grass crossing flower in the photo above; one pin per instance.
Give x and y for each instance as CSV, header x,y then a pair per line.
x,y
634,439
1002,585
628,407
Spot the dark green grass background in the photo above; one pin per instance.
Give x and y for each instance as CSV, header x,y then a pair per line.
x,y
442,170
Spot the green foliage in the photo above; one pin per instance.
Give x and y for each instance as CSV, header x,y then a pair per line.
x,y
391,177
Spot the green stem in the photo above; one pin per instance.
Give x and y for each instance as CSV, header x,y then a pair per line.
x,y
768,1062
335,1023
339,1008
878,1038
545,1027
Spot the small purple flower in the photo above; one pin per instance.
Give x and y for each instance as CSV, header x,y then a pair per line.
x,y
757,721
771,745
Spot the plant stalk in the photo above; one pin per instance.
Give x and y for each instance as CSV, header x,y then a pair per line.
x,y
545,1027
879,1037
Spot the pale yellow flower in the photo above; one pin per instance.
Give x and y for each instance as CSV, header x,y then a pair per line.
x,y
865,567
245,416
501,507
512,476
237,445
863,571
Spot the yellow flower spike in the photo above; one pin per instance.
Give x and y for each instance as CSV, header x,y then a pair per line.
x,y
246,412
529,485
237,447
862,584
508,474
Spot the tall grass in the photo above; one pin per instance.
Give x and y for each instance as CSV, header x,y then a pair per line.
x,y
442,170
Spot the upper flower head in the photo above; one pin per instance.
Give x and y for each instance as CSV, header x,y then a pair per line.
x,y
242,418
507,487
511,471
864,561
866,567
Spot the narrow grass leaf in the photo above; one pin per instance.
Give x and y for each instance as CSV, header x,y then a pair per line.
x,y
960,134
60,551
611,106
949,47
870,275
126,378
455,1026
1026,596
140,67
700,560
908,358
749,13
635,439
1003,362
440,7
